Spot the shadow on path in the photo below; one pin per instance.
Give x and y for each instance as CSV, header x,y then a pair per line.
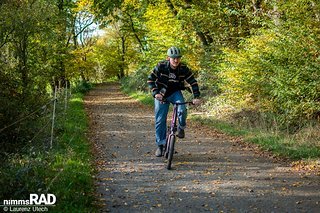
x,y
210,173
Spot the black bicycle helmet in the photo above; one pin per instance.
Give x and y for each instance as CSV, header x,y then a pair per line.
x,y
174,52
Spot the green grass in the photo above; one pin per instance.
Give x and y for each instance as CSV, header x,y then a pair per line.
x,y
66,170
144,98
279,144
72,161
225,127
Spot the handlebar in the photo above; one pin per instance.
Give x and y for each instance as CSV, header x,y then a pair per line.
x,y
178,103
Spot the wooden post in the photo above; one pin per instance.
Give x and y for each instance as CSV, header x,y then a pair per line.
x,y
53,115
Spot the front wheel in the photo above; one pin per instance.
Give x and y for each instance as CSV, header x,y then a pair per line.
x,y
171,150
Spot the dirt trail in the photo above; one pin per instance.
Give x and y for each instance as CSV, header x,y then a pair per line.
x,y
211,172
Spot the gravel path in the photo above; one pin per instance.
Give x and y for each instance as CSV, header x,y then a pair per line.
x,y
212,172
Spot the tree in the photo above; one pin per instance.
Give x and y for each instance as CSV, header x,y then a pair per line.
x,y
35,46
277,70
24,59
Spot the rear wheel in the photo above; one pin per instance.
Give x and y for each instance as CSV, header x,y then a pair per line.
x,y
171,150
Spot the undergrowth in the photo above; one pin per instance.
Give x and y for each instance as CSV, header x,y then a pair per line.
x,y
279,143
64,170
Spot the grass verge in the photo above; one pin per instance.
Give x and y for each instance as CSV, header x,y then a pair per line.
x,y
65,170
144,98
280,144
72,163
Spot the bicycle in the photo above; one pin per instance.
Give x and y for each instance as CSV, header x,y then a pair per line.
x,y
171,134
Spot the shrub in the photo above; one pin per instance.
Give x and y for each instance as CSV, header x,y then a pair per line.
x,y
137,81
275,71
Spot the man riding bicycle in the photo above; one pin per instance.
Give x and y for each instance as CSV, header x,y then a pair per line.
x,y
166,82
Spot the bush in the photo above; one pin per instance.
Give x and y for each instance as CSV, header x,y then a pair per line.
x,y
81,86
137,81
275,71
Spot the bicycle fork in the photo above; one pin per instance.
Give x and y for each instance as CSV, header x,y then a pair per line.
x,y
171,131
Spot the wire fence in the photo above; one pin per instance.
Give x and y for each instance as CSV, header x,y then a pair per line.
x,y
39,126
28,145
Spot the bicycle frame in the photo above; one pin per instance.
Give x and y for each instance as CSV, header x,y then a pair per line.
x,y
173,125
171,137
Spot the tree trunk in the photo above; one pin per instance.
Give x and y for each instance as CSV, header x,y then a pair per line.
x,y
61,71
135,33
205,38
123,52
22,57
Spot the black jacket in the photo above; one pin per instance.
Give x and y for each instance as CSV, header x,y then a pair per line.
x,y
159,78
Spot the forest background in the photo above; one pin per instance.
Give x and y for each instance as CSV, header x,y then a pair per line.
x,y
257,61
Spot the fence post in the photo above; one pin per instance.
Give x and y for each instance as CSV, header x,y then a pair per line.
x,y
53,115
66,99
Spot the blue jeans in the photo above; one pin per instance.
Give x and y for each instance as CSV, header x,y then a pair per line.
x,y
161,112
